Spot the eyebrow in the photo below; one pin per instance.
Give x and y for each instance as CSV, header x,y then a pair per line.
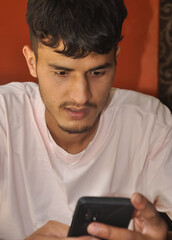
x,y
103,66
60,67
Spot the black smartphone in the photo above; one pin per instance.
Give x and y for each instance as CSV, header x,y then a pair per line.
x,y
109,210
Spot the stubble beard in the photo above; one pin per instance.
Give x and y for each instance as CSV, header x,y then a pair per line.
x,y
75,130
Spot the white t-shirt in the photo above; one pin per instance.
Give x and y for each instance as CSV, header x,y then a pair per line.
x,y
39,181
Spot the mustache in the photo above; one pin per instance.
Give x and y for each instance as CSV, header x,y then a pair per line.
x,y
72,104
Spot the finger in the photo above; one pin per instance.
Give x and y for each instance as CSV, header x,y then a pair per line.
x,y
145,209
108,232
147,220
78,238
40,237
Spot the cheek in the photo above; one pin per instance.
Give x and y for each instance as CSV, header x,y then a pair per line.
x,y
102,91
47,89
53,94
47,84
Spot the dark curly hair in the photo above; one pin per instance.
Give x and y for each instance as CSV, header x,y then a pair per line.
x,y
84,26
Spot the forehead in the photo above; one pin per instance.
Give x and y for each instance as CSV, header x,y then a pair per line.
x,y
51,56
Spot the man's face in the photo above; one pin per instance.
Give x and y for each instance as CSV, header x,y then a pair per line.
x,y
74,91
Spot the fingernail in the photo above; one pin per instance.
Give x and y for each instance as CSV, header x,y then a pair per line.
x,y
93,229
138,198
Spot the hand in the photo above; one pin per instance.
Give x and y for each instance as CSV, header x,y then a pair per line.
x,y
147,223
52,231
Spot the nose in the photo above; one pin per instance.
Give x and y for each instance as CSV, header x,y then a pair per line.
x,y
80,91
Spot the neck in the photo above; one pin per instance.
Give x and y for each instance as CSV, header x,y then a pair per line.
x,y
73,143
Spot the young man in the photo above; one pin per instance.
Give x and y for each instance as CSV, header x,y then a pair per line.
x,y
73,135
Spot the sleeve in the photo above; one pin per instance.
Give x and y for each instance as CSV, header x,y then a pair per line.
x,y
3,148
158,171
3,157
2,133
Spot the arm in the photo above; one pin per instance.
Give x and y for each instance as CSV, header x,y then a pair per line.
x,y
147,224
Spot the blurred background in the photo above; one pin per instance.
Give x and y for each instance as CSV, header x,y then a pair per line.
x,y
145,60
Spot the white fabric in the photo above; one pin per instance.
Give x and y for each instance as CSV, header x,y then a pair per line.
x,y
39,181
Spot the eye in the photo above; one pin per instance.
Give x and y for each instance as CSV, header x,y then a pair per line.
x,y
61,73
97,73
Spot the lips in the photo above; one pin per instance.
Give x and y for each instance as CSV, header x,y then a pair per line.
x,y
77,114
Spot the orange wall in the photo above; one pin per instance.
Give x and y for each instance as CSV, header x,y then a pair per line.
x,y
138,60
137,66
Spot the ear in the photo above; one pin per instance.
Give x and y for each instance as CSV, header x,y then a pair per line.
x,y
31,60
117,54
118,51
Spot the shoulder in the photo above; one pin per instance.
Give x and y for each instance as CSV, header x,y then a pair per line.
x,y
17,99
17,88
17,93
139,104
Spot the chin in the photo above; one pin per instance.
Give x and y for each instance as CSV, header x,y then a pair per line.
x,y
75,130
